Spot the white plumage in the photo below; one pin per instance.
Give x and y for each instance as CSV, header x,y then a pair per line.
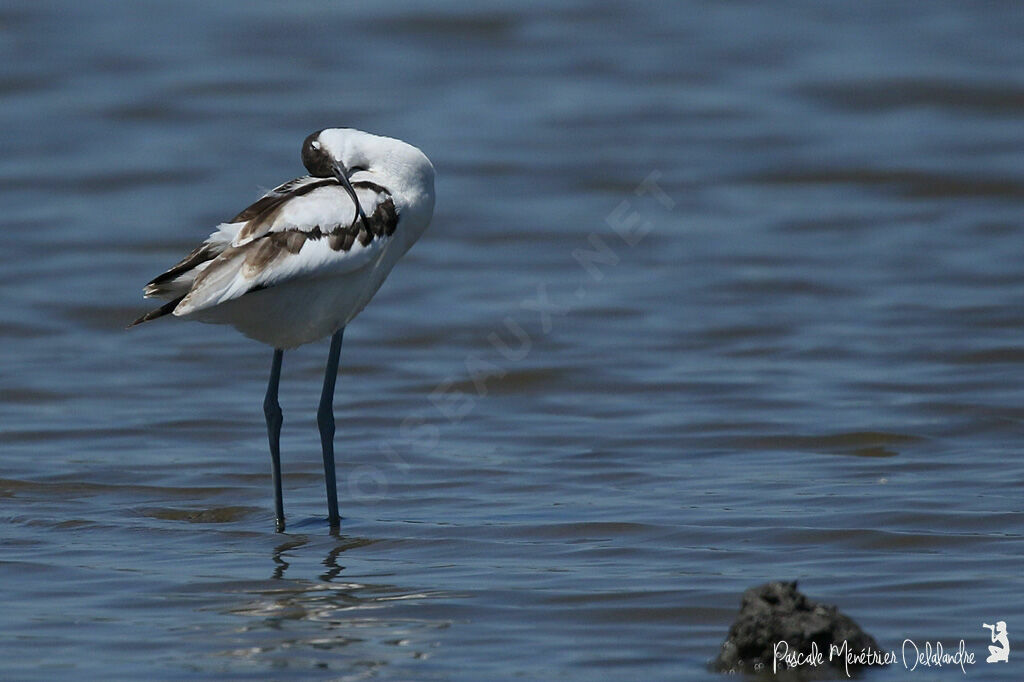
x,y
246,273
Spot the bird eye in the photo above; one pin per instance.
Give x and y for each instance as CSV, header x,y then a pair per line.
x,y
315,158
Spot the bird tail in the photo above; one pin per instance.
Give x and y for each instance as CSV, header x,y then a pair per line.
x,y
165,309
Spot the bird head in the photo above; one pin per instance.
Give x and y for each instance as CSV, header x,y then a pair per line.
x,y
399,167
334,153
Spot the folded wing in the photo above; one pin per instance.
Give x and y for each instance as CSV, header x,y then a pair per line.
x,y
307,227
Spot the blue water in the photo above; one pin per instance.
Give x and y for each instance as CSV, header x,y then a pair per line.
x,y
716,293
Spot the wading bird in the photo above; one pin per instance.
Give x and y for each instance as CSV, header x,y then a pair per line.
x,y
301,262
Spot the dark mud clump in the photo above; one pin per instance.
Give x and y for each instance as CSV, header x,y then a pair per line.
x,y
775,620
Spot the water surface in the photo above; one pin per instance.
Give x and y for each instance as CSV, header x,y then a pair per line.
x,y
562,454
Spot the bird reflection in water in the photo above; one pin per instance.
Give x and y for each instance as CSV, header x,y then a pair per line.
x,y
346,625
330,561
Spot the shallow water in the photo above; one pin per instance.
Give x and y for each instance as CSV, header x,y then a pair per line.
x,y
802,362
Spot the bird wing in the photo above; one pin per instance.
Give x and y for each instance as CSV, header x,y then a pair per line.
x,y
178,279
305,228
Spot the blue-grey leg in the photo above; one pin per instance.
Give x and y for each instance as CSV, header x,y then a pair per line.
x,y
272,411
325,420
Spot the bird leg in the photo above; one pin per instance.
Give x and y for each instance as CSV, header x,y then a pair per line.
x,y
325,420
272,411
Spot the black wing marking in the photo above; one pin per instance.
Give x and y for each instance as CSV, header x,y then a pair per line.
x,y
165,309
